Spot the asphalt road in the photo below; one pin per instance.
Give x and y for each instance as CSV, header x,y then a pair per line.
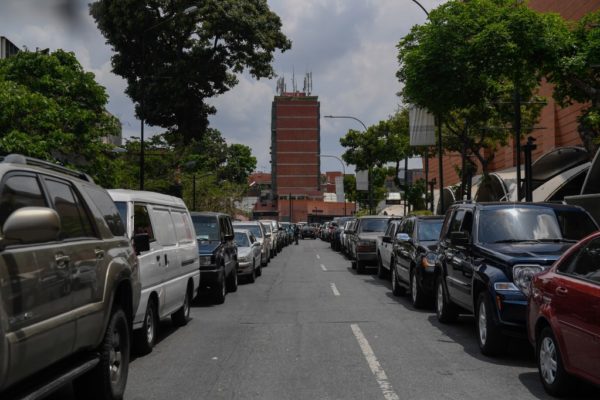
x,y
310,328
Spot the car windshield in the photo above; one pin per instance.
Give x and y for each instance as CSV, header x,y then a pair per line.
x,y
206,227
373,225
241,239
536,224
255,229
429,230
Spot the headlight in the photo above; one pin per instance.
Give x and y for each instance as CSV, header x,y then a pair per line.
x,y
205,260
522,275
429,260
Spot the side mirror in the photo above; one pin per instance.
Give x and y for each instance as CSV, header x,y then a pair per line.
x,y
459,238
403,237
141,243
31,225
386,239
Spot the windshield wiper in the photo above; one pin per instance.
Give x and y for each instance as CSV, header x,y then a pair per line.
x,y
516,241
557,240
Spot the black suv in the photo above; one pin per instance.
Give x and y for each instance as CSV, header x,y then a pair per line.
x,y
69,283
487,255
218,253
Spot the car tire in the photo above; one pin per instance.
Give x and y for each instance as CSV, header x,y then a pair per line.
x,y
490,338
556,381
220,291
445,311
353,264
360,267
232,280
397,289
107,380
252,277
182,316
259,271
417,296
145,338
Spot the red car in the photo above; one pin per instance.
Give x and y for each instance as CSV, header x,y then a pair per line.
x,y
564,317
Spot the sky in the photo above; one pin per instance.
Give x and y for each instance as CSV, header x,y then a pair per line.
x,y
348,45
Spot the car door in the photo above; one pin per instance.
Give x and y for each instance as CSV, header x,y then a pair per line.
x,y
35,287
576,302
387,245
230,249
459,262
168,258
404,247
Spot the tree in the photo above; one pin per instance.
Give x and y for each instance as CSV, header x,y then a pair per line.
x,y
52,109
174,62
239,165
469,60
576,76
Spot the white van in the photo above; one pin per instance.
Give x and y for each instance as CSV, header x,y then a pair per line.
x,y
169,265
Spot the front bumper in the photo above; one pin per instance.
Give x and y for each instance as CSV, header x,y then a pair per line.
x,y
210,275
426,280
244,268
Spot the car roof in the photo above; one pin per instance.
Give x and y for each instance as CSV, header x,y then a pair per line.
x,y
246,223
145,196
505,204
208,213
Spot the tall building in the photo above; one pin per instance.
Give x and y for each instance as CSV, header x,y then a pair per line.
x,y
295,145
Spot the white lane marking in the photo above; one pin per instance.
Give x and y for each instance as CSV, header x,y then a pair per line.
x,y
336,292
323,267
380,375
318,257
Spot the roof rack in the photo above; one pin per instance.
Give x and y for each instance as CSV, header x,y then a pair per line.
x,y
21,159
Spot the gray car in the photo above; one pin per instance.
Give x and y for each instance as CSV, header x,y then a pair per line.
x,y
259,232
69,282
248,255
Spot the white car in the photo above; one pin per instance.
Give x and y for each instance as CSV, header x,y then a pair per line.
x,y
248,254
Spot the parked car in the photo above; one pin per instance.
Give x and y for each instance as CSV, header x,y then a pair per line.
x,y
385,249
336,237
169,269
272,238
563,323
487,254
69,280
308,231
248,255
258,230
276,237
415,255
363,241
348,227
218,254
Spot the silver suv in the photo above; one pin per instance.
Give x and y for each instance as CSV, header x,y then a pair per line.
x,y
69,283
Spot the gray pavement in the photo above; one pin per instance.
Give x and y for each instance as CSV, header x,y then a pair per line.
x,y
289,336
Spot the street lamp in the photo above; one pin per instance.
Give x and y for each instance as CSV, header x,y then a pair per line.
x,y
187,11
343,171
369,171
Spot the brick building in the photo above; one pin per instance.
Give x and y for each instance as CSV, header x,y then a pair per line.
x,y
557,126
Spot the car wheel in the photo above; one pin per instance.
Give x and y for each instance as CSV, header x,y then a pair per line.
x,y
259,271
108,379
232,280
353,264
220,291
491,341
145,337
397,290
555,379
252,277
446,311
360,267
182,316
416,294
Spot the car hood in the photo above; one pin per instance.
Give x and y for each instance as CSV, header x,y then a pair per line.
x,y
534,253
243,251
207,246
429,245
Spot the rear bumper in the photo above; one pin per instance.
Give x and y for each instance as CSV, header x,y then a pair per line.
x,y
367,258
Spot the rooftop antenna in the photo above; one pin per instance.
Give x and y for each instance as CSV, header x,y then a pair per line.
x,y
295,89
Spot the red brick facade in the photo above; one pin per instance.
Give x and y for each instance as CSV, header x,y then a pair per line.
x,y
557,126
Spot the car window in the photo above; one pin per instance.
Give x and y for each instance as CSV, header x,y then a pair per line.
x,y
141,221
166,233
467,224
241,239
587,263
408,227
206,227
390,230
107,208
19,191
456,222
74,220
255,229
429,230
183,230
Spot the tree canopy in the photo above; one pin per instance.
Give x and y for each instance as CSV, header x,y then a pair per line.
x,y
174,61
54,110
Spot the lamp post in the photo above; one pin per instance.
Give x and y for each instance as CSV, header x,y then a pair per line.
x,y
369,171
344,175
187,11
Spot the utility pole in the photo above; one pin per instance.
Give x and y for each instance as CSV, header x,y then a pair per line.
x,y
440,164
517,127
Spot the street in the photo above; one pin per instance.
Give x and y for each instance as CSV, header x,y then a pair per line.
x,y
304,330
